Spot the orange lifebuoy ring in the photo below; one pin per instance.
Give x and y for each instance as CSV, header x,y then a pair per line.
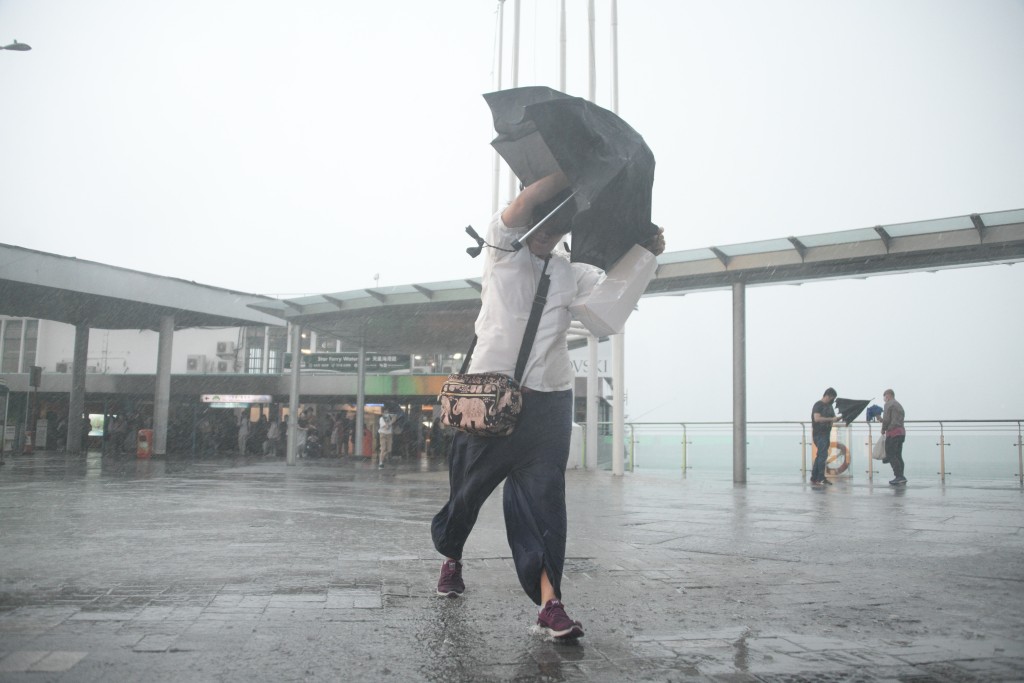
x,y
841,454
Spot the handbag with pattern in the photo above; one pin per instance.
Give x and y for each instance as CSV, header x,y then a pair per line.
x,y
488,404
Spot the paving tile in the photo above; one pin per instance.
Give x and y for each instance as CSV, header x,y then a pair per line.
x,y
14,662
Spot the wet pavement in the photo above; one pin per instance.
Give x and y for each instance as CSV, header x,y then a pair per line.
x,y
249,570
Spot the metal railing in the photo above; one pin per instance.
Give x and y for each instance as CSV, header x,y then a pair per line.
x,y
982,449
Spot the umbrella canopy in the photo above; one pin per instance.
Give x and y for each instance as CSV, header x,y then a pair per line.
x,y
610,167
850,408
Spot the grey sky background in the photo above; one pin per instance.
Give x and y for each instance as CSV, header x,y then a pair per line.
x,y
288,148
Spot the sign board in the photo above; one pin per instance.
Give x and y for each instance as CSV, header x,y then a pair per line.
x,y
237,398
42,433
347,362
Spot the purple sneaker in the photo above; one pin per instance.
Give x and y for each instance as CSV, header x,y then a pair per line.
x,y
450,584
556,622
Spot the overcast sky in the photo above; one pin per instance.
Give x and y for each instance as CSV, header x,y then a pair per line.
x,y
311,146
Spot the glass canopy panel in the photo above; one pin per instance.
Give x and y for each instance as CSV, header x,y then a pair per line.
x,y
687,256
929,227
1003,217
445,286
762,247
829,239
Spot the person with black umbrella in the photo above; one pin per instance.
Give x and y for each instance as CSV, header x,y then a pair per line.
x,y
532,459
822,419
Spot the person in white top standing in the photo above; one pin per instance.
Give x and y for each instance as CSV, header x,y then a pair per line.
x,y
385,431
531,461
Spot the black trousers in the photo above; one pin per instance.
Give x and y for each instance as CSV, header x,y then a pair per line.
x,y
531,461
894,452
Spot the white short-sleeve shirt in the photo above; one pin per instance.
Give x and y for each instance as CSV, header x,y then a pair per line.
x,y
509,284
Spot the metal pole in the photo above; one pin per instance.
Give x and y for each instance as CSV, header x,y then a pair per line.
x,y
265,365
942,454
871,456
3,434
592,58
497,86
739,384
293,396
803,450
76,400
357,446
162,393
1020,453
561,45
684,449
593,405
515,82
615,56
618,401
632,448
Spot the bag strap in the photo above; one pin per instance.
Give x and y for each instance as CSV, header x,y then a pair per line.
x,y
540,298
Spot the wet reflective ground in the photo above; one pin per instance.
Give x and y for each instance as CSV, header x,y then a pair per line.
x,y
115,569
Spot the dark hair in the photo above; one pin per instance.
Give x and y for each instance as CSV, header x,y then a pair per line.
x,y
830,392
561,222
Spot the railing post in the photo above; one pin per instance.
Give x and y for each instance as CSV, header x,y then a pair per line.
x,y
684,449
1020,456
942,454
632,447
803,450
871,455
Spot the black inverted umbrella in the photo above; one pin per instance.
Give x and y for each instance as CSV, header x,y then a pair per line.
x,y
610,167
850,408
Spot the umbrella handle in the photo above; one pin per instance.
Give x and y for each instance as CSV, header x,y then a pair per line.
x,y
518,244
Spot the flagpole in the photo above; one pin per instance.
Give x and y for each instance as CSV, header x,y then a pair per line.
x,y
618,340
592,60
561,45
515,82
497,86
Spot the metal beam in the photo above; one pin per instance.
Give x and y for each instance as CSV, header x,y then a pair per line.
x,y
799,246
721,255
886,238
338,303
424,291
980,226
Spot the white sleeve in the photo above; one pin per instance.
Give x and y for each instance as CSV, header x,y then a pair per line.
x,y
587,278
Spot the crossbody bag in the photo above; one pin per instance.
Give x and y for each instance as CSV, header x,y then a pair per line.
x,y
489,403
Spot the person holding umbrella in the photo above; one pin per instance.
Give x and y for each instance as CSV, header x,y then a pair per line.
x,y
531,461
822,419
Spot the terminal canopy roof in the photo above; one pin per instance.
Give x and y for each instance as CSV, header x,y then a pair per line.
x,y
35,284
438,317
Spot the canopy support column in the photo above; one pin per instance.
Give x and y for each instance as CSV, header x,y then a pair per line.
x,y
76,400
739,384
162,394
618,402
293,395
593,407
357,446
